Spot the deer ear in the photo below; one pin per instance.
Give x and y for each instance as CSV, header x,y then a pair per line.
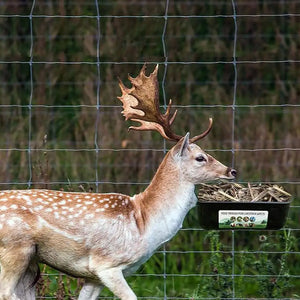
x,y
184,144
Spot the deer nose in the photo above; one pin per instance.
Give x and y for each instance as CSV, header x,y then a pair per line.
x,y
232,172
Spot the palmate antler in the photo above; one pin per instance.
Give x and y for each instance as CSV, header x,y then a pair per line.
x,y
141,104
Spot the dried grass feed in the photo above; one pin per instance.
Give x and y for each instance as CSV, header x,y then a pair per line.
x,y
236,192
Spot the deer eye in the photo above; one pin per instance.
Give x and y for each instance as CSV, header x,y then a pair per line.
x,y
200,158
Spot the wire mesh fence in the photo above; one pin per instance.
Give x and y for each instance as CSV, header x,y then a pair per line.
x,y
237,61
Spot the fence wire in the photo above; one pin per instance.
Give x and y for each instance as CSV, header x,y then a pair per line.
x,y
9,12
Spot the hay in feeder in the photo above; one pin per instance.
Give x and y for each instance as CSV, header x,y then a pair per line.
x,y
236,192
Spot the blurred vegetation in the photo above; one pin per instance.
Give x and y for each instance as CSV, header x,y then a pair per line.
x,y
61,104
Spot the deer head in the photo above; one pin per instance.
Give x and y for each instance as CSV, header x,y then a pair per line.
x,y
196,165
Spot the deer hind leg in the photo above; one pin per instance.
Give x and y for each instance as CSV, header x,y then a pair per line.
x,y
14,261
90,291
26,286
115,281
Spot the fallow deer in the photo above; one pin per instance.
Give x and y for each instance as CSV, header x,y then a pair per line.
x,y
104,237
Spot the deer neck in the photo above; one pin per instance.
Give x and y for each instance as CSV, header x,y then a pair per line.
x,y
165,203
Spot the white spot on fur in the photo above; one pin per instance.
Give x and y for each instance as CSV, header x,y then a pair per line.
x,y
62,202
3,208
14,206
89,216
78,213
27,199
37,208
13,221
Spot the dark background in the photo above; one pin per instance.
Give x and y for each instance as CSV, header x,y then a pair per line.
x,y
59,64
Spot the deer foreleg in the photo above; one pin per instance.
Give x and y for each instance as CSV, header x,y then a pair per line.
x,y
90,291
115,281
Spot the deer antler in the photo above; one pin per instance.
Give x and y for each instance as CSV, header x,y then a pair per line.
x,y
141,104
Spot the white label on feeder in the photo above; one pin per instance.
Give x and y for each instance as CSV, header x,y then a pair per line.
x,y
243,219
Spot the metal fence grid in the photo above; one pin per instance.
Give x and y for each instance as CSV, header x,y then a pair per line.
x,y
34,12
